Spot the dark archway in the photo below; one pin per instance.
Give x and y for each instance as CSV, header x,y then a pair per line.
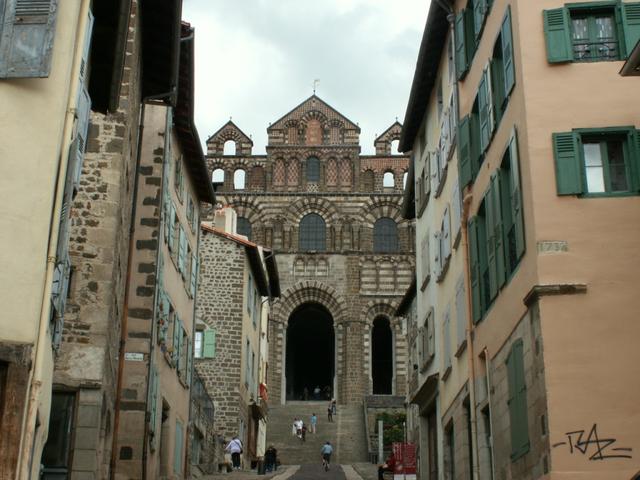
x,y
310,351
382,357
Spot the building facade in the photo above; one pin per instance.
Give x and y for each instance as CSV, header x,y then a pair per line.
x,y
333,217
542,174
238,281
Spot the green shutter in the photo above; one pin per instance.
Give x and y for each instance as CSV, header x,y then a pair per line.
x,y
153,406
517,401
172,219
209,348
566,150
474,141
464,149
557,33
189,360
462,62
194,275
634,161
479,12
516,195
182,251
177,451
507,53
483,112
498,235
475,270
490,240
27,32
631,25
177,340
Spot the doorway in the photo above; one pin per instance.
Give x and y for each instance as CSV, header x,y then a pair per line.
x,y
310,357
382,357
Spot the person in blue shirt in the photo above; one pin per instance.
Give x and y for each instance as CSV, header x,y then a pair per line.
x,y
314,422
326,452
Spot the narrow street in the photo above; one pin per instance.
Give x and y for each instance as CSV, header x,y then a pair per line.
x,y
311,471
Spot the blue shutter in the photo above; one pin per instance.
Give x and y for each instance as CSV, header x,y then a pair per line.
x,y
172,226
558,35
631,25
566,151
507,53
26,38
194,275
177,341
177,452
479,12
182,251
189,361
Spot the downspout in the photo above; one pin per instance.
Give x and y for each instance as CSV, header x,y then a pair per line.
x,y
487,369
125,310
473,420
28,430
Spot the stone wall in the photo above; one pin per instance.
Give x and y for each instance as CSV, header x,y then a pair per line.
x,y
220,306
99,249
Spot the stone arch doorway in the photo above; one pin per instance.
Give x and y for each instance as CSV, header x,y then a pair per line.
x,y
382,356
310,352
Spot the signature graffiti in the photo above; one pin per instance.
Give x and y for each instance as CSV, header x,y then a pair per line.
x,y
592,445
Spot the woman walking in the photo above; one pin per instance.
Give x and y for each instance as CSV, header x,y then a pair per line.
x,y
234,447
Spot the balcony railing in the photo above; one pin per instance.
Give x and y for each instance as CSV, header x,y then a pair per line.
x,y
595,51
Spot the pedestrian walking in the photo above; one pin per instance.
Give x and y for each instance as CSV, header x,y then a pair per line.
x,y
299,424
314,422
234,447
270,459
326,452
329,413
334,408
303,432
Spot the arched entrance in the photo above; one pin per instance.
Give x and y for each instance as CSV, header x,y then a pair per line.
x,y
310,357
382,357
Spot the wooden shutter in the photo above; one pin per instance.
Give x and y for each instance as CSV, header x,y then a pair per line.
x,y
516,195
153,406
437,257
508,66
517,401
26,38
167,216
464,152
431,341
568,164
177,341
446,234
557,33
485,108
182,251
498,234
172,226
194,275
490,240
209,348
177,452
634,163
461,313
631,25
456,215
479,11
432,158
189,360
462,64
475,270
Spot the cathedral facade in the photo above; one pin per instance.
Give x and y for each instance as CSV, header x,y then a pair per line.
x,y
343,251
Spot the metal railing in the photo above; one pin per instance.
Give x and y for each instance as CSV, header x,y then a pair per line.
x,y
596,51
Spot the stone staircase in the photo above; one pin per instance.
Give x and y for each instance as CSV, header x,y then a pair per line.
x,y
346,433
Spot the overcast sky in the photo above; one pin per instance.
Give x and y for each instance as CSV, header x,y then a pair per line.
x,y
257,59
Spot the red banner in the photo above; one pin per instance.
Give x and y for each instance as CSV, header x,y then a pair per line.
x,y
405,456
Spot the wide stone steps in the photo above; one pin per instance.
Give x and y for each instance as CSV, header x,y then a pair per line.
x,y
346,433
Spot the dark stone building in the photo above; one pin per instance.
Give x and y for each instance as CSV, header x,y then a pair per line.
x,y
344,253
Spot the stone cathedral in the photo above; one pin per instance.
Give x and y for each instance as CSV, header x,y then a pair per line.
x,y
344,253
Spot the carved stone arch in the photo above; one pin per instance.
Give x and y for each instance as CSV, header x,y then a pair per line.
x,y
313,115
310,291
305,205
378,207
248,208
380,307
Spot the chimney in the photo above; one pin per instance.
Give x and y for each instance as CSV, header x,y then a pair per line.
x,y
226,219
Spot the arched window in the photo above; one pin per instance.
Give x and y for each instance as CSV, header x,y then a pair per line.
x,y
238,179
218,176
313,170
229,147
388,180
404,180
312,233
244,227
385,235
394,147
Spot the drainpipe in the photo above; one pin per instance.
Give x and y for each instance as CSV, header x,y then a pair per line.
x,y
28,430
486,366
125,310
473,420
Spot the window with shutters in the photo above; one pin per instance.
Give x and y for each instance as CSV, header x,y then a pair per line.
x,y
502,69
178,179
461,316
244,227
517,401
198,344
313,170
444,245
446,338
312,233
598,162
425,257
591,33
385,236
468,27
427,341
191,209
509,208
